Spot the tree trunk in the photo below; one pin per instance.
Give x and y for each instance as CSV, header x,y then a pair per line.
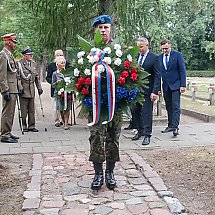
x,y
41,66
105,6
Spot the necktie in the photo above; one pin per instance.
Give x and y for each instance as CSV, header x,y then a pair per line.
x,y
166,60
141,60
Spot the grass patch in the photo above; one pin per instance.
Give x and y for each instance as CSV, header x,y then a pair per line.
x,y
198,106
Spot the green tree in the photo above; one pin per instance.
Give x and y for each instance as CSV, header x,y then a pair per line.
x,y
46,25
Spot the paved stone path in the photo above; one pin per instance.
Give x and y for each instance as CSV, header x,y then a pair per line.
x,y
60,185
61,174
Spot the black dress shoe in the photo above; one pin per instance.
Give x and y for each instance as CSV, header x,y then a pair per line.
x,y
146,141
25,130
14,137
8,140
130,127
168,129
97,181
175,132
137,136
110,180
33,129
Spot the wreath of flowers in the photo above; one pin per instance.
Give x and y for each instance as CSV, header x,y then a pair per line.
x,y
129,77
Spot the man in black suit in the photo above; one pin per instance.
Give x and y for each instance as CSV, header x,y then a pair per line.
x,y
50,69
173,74
143,113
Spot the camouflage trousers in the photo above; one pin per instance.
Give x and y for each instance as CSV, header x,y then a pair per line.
x,y
104,140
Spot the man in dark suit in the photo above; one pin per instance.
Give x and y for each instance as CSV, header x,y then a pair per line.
x,y
173,74
51,68
143,113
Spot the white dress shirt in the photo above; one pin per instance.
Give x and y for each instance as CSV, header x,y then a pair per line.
x,y
142,58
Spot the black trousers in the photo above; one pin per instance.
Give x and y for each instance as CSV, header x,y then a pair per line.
x,y
172,101
143,115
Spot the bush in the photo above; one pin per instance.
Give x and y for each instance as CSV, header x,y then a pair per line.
x,y
200,73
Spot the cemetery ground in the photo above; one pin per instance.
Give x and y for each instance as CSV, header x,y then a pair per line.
x,y
188,172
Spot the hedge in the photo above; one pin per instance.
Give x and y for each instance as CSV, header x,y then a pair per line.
x,y
201,73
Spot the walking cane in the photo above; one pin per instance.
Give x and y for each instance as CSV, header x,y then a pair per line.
x,y
19,114
41,106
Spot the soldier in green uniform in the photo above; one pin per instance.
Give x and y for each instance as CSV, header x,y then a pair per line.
x,y
10,86
29,78
104,139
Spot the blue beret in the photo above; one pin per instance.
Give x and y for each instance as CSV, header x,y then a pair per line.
x,y
103,19
27,50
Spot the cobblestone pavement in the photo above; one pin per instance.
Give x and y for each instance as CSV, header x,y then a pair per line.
x,y
60,185
61,174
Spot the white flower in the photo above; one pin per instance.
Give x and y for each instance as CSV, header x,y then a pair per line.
x,y
98,51
118,53
67,80
107,60
117,46
117,61
129,57
81,60
93,49
96,58
101,68
87,72
80,54
60,91
107,50
76,72
91,59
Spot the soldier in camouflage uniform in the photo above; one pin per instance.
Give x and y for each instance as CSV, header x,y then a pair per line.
x,y
104,139
10,86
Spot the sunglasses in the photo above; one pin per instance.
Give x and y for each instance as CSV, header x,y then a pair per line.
x,y
165,48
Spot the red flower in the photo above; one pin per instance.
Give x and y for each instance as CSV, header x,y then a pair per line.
x,y
69,96
134,76
81,80
127,64
133,70
88,81
78,86
85,91
121,80
62,95
124,74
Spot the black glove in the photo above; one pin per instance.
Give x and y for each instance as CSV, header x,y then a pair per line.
x,y
6,96
40,92
21,92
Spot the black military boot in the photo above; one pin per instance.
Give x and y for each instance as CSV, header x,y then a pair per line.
x,y
98,178
109,176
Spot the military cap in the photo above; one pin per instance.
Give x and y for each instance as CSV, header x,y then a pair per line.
x,y
11,36
27,50
103,19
